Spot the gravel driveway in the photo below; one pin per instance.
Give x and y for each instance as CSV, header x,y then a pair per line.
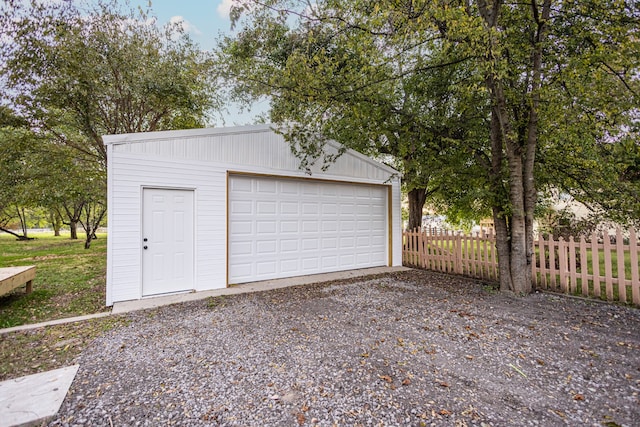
x,y
413,348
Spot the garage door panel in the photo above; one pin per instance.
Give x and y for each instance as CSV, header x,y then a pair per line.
x,y
264,186
329,262
347,209
310,209
289,188
288,226
347,242
289,208
298,227
347,225
266,247
346,260
265,268
310,226
363,226
290,245
310,244
363,259
329,243
289,266
329,226
267,227
241,248
309,188
266,208
241,227
329,209
310,265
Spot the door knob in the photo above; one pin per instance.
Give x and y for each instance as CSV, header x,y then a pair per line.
x,y
144,247
144,240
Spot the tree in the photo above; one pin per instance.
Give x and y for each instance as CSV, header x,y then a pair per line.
x,y
522,66
76,75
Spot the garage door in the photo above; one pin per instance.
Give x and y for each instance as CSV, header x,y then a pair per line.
x,y
282,227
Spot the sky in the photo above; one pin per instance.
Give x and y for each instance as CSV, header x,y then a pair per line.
x,y
204,21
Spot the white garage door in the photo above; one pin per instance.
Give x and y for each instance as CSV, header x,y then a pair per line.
x,y
282,227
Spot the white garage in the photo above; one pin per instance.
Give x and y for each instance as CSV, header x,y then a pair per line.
x,y
203,209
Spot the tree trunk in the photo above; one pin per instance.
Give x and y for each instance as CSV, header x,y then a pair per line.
x,y
19,237
73,228
500,221
56,223
503,248
93,215
417,198
23,222
502,135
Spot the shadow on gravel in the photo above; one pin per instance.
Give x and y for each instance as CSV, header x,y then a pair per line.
x,y
414,348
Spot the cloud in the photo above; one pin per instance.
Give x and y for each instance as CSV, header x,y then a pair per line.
x,y
186,26
224,8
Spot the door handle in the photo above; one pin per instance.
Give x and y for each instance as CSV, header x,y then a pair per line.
x,y
144,240
144,247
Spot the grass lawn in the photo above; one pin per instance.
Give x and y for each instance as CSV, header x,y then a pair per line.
x,y
70,280
42,349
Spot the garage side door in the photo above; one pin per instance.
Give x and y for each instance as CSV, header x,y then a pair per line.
x,y
282,227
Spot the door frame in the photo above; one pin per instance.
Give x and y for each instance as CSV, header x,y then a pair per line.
x,y
140,237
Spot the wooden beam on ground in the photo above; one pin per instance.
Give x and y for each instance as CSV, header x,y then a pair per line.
x,y
14,277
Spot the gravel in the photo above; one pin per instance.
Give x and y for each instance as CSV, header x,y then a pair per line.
x,y
413,348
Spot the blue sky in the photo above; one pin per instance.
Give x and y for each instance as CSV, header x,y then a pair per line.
x,y
204,20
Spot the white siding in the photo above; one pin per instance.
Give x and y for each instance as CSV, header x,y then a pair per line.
x,y
257,147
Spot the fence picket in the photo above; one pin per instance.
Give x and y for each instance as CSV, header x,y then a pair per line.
x,y
479,251
543,262
494,256
595,262
562,263
633,255
573,277
552,263
622,285
584,281
608,274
